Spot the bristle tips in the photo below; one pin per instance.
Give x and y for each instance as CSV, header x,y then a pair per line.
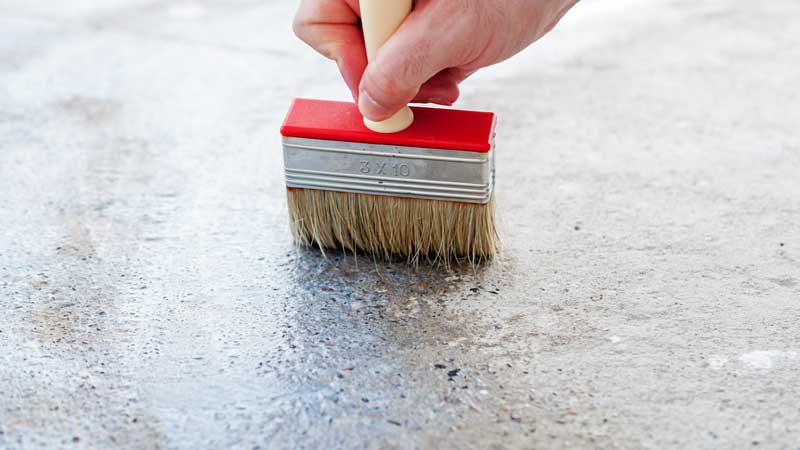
x,y
433,231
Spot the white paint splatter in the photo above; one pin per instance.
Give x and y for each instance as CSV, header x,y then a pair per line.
x,y
614,339
766,359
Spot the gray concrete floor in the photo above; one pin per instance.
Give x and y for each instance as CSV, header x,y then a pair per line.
x,y
649,296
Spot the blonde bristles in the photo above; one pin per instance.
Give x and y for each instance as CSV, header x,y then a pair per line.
x,y
389,227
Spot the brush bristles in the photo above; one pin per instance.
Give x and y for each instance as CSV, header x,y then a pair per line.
x,y
389,227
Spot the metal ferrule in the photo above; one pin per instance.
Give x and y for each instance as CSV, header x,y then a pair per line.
x,y
391,170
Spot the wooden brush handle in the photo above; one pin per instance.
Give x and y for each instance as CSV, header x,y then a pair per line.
x,y
380,19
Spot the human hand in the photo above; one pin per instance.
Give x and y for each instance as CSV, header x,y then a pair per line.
x,y
440,44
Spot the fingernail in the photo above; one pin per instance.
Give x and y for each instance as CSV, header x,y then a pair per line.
x,y
441,101
370,108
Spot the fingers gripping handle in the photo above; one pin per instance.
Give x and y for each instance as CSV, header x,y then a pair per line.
x,y
380,19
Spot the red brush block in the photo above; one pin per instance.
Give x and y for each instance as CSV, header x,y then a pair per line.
x,y
451,129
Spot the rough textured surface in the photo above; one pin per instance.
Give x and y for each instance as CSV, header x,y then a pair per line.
x,y
649,295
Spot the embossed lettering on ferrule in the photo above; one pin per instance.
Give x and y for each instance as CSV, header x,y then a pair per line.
x,y
385,168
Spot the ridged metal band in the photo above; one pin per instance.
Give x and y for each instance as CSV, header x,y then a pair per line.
x,y
391,170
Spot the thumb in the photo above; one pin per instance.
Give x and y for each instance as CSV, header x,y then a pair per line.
x,y
412,56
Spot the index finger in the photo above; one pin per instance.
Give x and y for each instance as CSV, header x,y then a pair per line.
x,y
332,29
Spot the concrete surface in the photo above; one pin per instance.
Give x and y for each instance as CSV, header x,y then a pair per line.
x,y
649,296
